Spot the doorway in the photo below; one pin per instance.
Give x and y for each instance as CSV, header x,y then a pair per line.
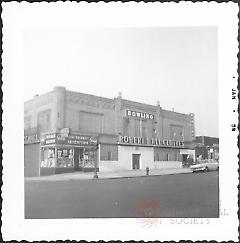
x,y
135,161
78,154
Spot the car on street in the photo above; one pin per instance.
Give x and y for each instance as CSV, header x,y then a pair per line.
x,y
205,166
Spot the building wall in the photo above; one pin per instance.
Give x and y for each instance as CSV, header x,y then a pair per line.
x,y
46,112
166,124
167,164
90,114
107,118
37,106
167,154
125,156
176,122
108,152
31,160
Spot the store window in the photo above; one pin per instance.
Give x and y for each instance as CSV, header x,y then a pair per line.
x,y
48,158
64,157
89,158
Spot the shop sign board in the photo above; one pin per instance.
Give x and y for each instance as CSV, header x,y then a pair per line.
x,y
140,114
156,142
72,139
33,138
65,132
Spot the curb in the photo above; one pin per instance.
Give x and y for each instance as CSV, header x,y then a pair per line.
x,y
103,178
128,177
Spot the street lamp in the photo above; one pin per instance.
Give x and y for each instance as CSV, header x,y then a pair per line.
x,y
95,169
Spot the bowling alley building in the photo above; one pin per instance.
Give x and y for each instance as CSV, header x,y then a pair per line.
x,y
66,131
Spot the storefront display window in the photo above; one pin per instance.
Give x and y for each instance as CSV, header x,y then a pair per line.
x,y
65,157
48,158
89,156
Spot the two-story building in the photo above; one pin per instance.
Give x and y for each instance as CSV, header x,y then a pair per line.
x,y
67,131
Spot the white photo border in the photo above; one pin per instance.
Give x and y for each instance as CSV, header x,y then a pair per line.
x,y
19,16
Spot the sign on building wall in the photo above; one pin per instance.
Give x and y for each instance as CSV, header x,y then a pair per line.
x,y
150,141
33,138
61,138
139,114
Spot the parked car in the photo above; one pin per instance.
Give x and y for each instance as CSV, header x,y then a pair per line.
x,y
205,167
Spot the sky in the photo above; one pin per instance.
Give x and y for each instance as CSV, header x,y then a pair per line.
x,y
175,65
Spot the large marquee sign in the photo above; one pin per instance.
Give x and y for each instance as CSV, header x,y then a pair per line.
x,y
140,114
80,140
150,142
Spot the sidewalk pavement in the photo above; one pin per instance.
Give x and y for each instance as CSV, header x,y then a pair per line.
x,y
78,175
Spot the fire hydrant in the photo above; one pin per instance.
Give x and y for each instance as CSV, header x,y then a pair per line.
x,y
147,171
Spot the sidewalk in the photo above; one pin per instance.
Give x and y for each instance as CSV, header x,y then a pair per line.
x,y
109,175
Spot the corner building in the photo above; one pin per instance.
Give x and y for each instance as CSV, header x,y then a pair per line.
x,y
67,131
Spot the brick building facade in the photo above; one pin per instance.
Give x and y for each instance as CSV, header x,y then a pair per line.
x,y
76,131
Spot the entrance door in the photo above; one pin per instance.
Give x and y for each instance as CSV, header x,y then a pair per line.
x,y
77,152
136,161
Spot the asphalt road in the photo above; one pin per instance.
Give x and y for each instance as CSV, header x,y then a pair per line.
x,y
180,195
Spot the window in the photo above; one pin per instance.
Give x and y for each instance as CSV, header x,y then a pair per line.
x,y
176,132
157,157
154,133
109,155
89,158
167,157
108,152
64,157
144,134
48,157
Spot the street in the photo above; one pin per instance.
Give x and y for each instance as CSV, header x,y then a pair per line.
x,y
180,195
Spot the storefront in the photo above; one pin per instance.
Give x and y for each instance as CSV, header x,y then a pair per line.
x,y
61,153
137,153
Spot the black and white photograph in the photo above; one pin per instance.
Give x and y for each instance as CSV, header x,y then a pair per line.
x,y
115,122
